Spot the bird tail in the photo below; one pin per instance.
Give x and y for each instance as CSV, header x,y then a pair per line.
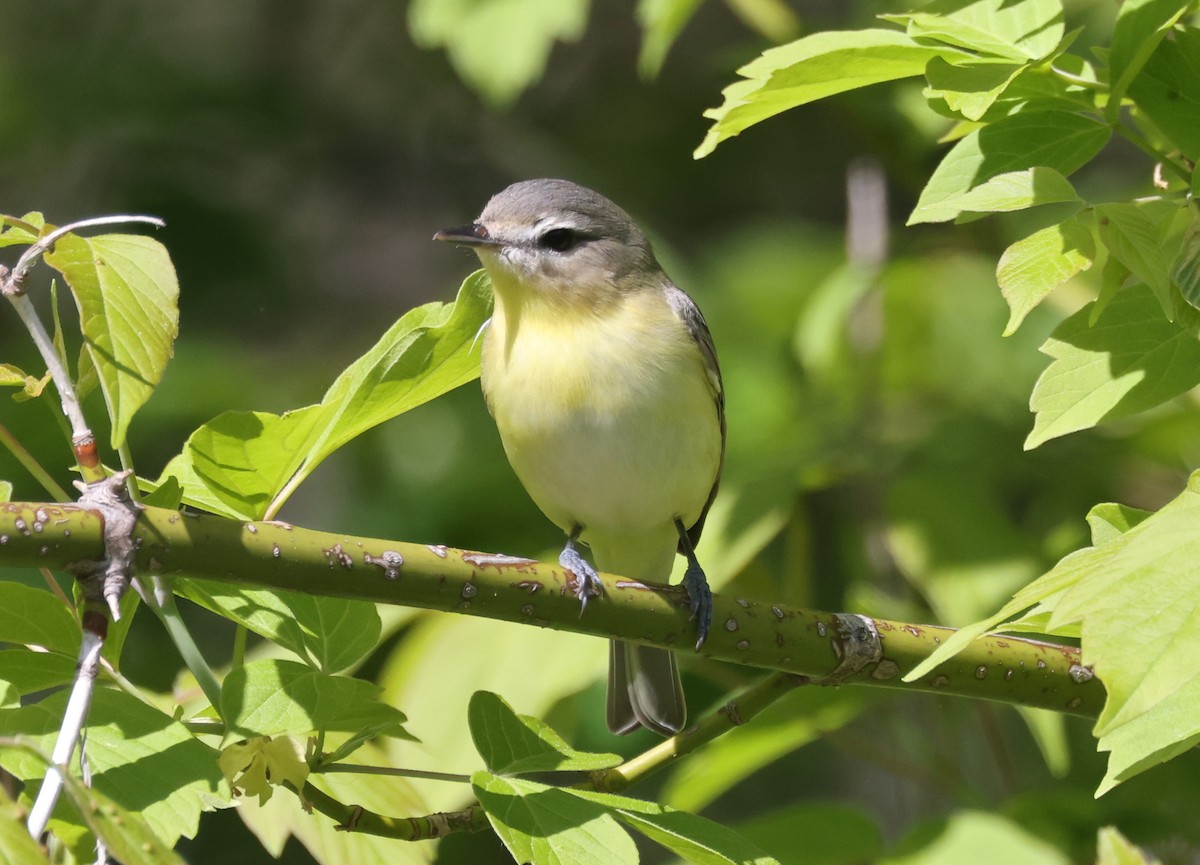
x,y
644,690
643,682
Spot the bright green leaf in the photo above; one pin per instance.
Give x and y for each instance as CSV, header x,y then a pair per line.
x,y
6,489
22,230
1138,599
1036,265
1133,238
237,464
1058,140
969,89
128,299
812,68
1167,90
1010,29
283,698
35,617
500,47
1130,361
550,826
1018,190
1108,521
696,839
330,634
512,744
142,759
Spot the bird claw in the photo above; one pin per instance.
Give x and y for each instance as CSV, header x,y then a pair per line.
x,y
587,581
695,583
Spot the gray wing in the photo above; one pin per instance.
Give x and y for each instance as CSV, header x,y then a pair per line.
x,y
687,310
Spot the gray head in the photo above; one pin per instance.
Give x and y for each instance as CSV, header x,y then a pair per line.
x,y
558,237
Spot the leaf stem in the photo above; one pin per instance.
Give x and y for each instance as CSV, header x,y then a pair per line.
x,y
359,769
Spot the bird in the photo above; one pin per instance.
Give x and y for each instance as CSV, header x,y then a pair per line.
x,y
603,381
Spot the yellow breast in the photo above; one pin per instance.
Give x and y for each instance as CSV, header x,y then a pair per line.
x,y
607,415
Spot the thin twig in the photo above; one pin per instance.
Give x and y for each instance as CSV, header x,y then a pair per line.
x,y
68,734
358,769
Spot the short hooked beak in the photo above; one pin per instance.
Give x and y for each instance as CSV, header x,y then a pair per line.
x,y
474,234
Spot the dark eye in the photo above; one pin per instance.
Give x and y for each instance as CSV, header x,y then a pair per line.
x,y
560,239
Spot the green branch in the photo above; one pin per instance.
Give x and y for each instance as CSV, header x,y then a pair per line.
x,y
807,643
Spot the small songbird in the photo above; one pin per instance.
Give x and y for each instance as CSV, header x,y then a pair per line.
x,y
603,381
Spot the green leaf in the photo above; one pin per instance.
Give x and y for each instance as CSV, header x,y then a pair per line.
x,y
512,744
237,464
330,634
128,299
1054,139
969,89
661,22
1138,600
35,617
497,48
1018,190
1112,848
1133,238
550,826
696,839
283,698
1108,521
143,760
6,489
30,672
801,717
1130,361
812,68
1020,30
20,231
1166,91
977,837
128,837
1036,265
1141,26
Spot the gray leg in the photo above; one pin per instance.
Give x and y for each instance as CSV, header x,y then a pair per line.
x,y
695,583
587,581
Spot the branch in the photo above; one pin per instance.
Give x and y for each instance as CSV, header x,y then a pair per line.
x,y
816,645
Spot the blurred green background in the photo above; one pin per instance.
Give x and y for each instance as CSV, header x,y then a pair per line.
x,y
303,154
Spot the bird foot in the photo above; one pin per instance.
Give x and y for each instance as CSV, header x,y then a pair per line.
x,y
695,583
587,581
